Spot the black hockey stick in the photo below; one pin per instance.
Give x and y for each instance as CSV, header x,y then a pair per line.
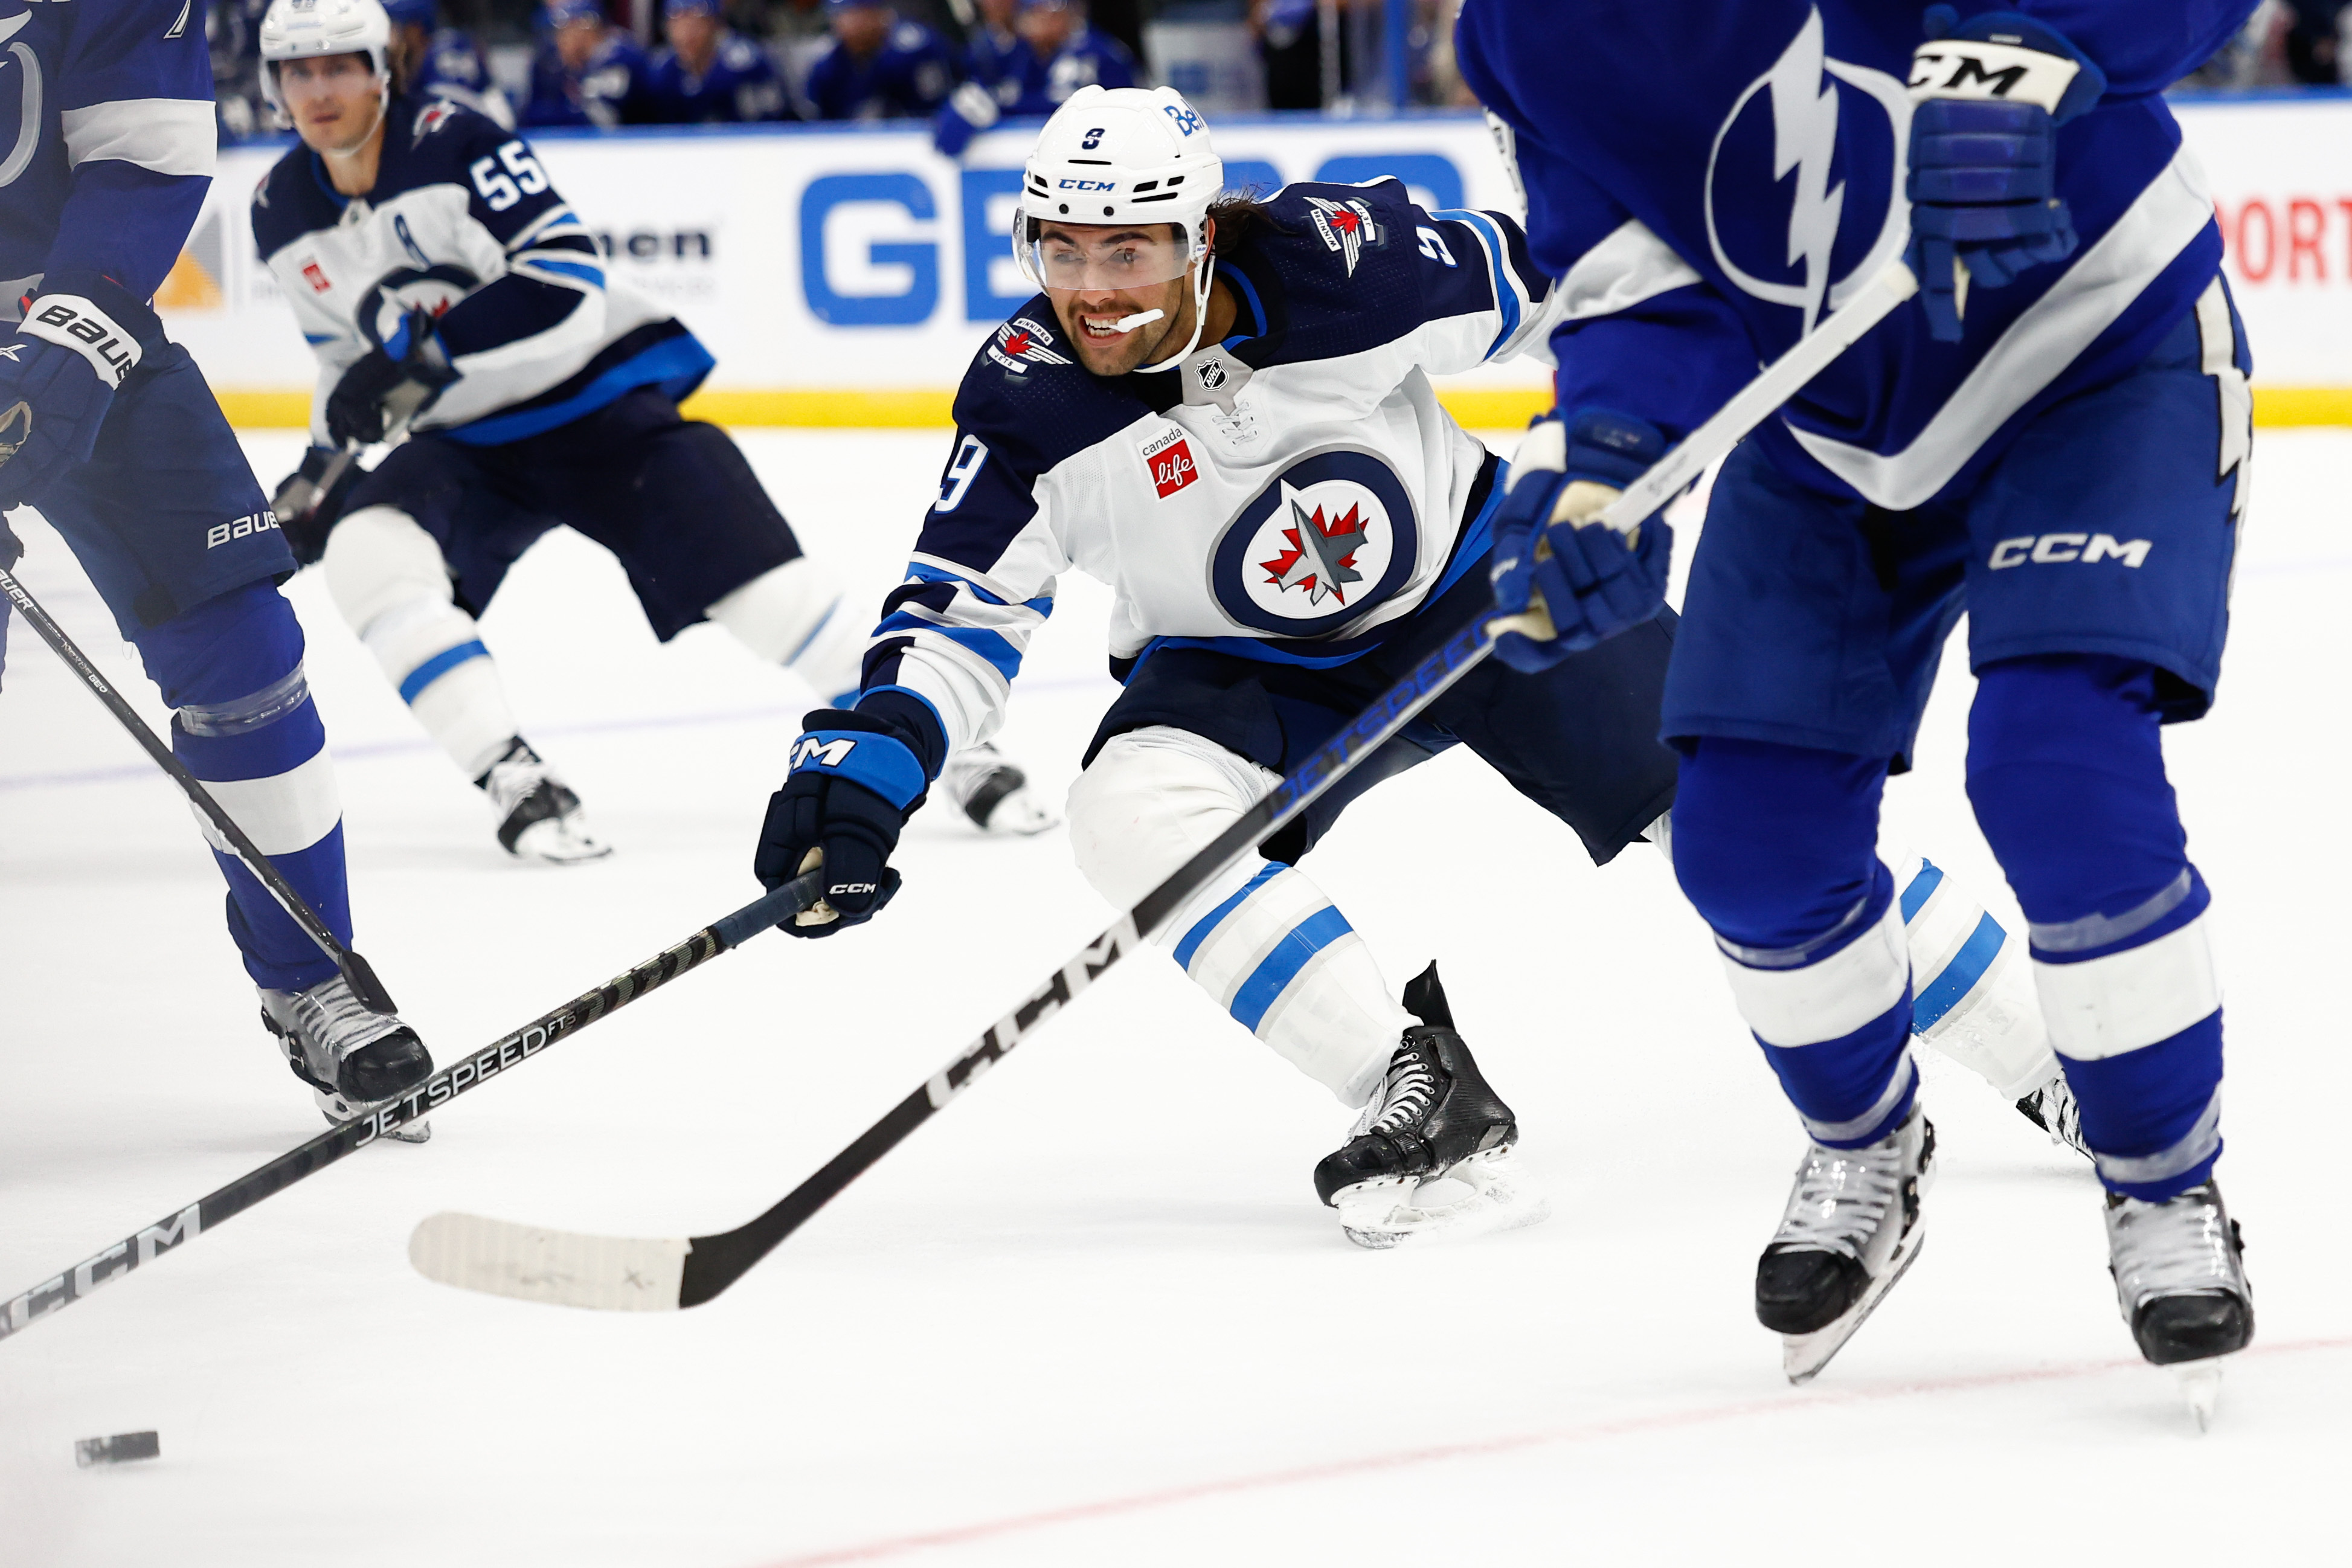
x,y
175,1230
660,1273
356,971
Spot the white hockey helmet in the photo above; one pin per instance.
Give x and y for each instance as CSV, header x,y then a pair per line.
x,y
1118,156
308,29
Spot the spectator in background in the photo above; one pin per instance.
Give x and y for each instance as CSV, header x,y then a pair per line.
x,y
233,33
989,48
1053,54
878,67
2315,42
710,74
1290,42
587,72
432,61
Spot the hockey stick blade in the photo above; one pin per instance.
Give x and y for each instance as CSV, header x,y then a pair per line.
x,y
539,1264
176,1230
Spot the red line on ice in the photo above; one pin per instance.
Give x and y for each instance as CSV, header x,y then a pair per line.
x,y
1632,1425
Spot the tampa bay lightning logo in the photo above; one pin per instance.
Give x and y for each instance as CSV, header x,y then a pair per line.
x,y
1804,183
1332,536
405,288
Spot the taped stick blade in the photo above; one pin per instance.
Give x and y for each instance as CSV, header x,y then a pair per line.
x,y
558,1267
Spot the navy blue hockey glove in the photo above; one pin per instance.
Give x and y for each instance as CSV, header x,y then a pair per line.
x,y
853,784
1593,580
305,516
404,376
1990,92
80,339
969,109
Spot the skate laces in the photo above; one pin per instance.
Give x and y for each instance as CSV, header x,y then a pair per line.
x,y
2174,1248
331,1017
1412,1091
1840,1197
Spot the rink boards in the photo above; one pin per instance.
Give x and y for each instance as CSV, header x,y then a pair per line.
x,y
845,276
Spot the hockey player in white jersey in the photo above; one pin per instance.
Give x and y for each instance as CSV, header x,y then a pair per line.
x,y
432,267
1222,408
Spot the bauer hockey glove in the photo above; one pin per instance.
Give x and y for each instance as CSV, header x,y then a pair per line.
x,y
1990,92
853,784
410,368
80,339
305,515
1593,580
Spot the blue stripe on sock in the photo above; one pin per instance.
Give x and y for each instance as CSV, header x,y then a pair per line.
x,y
1922,887
1208,922
1960,976
440,665
1273,976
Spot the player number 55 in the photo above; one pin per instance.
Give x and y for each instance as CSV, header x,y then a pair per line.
x,y
498,190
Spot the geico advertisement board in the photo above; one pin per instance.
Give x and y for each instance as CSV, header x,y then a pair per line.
x,y
820,261
807,258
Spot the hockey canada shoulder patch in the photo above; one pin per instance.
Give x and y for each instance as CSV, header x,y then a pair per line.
x,y
1346,228
1020,343
1169,456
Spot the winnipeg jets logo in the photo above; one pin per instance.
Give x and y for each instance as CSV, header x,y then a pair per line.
x,y
1318,548
437,114
1020,343
1826,168
1322,554
1346,228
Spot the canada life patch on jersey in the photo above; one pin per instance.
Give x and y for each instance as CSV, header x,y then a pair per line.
x,y
316,276
1331,537
1169,456
1020,343
1346,228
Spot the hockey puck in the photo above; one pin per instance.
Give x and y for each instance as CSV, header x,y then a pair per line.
x,y
119,1449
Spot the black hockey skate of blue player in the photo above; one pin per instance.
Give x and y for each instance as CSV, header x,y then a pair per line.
x,y
2054,437
110,431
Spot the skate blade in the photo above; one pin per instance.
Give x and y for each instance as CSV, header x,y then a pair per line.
x,y
562,1268
2201,1389
555,842
1804,1355
1384,1213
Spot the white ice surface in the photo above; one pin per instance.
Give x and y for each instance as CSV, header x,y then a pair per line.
x,y
1093,1314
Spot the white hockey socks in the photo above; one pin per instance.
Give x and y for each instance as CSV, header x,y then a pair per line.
x,y
1262,939
1972,993
796,614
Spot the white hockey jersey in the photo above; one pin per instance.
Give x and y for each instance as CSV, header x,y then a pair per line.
x,y
1294,493
464,222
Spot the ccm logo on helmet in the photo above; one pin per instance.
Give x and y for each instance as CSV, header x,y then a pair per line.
x,y
2051,549
1089,184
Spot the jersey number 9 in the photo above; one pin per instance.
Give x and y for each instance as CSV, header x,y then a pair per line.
x,y
501,192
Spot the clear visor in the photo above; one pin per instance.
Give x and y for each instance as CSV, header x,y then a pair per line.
x,y
1088,259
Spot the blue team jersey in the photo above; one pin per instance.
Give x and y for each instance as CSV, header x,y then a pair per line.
x,y
1718,175
990,54
908,77
610,90
741,86
453,69
110,140
1027,85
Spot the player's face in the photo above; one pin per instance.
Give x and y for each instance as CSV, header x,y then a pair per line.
x,y
576,41
1046,27
861,28
693,33
335,101
1097,275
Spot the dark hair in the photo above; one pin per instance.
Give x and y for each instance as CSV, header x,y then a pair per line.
x,y
1238,214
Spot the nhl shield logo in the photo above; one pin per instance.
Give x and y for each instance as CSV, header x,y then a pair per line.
x,y
1331,537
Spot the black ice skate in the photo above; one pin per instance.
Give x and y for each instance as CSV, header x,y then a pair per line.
x,y
1851,1228
354,1059
539,816
1432,1123
993,792
2180,1279
2053,1108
